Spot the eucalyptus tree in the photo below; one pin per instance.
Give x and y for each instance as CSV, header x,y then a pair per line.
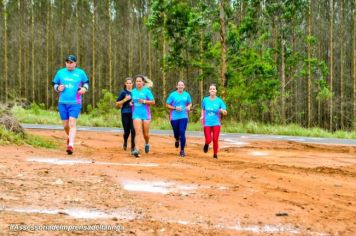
x,y
354,60
5,52
168,21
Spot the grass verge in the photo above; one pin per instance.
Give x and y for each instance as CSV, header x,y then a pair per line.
x,y
112,118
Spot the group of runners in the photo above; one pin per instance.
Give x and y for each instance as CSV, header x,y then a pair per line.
x,y
134,101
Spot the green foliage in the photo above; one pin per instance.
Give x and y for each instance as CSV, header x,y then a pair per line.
x,y
7,137
195,113
161,112
38,141
161,121
106,105
36,108
35,115
324,94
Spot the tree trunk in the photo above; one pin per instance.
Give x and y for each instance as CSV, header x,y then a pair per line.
x,y
52,56
33,51
201,81
139,42
110,45
342,66
283,82
63,20
77,25
19,56
149,44
309,66
48,23
149,55
164,50
223,66
130,42
354,64
331,65
6,67
93,54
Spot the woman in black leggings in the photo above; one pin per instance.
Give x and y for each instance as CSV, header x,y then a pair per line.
x,y
123,101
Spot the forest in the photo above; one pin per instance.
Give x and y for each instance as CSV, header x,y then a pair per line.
x,y
274,61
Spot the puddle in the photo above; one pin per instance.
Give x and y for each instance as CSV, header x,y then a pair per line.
x,y
258,229
259,154
236,143
122,214
157,187
270,229
58,161
264,228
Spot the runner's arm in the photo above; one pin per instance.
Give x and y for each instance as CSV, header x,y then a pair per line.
x,y
58,87
170,106
188,107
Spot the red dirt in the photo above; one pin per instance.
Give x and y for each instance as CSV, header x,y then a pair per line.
x,y
264,188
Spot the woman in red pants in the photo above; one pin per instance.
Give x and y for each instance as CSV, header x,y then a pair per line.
x,y
212,109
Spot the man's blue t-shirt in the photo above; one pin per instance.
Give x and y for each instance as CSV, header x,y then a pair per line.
x,y
72,81
182,100
211,114
126,108
140,110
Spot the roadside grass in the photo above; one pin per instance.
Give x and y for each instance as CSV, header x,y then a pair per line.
x,y
111,117
8,137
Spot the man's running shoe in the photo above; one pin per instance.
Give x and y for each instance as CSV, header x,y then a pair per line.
x,y
69,150
206,147
176,143
136,153
147,148
182,153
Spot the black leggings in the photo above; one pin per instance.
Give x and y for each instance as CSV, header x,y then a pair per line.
x,y
127,124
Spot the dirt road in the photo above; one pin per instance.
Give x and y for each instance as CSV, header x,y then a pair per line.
x,y
254,188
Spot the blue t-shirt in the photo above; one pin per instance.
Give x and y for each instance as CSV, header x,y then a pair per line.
x,y
182,100
72,81
126,108
211,113
140,110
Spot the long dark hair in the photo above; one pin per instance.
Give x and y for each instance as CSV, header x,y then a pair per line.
x,y
128,78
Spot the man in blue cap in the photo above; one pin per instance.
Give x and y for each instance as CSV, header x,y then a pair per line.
x,y
71,83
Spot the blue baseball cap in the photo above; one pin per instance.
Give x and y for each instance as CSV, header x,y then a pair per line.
x,y
71,58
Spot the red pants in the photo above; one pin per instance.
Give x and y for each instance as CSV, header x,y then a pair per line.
x,y
215,130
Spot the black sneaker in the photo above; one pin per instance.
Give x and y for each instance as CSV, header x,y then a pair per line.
x,y
124,146
215,156
136,153
176,143
182,153
206,147
147,148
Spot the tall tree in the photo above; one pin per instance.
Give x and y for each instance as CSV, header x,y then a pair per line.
x,y
342,62
110,9
48,26
331,62
93,47
33,50
20,46
6,66
354,62
309,102
223,45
